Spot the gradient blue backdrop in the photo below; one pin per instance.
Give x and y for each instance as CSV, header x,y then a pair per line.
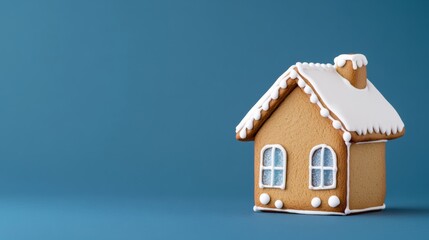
x,y
118,117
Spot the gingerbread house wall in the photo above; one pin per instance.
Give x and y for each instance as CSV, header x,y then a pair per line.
x,y
298,127
367,175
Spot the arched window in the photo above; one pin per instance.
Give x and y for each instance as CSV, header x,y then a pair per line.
x,y
323,168
272,172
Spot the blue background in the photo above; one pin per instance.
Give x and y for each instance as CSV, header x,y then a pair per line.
x,y
118,117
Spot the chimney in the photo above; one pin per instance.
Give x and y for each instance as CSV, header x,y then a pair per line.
x,y
353,68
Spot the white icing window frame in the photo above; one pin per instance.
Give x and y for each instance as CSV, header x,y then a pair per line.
x,y
272,167
322,168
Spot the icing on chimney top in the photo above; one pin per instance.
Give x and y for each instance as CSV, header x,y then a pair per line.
x,y
353,68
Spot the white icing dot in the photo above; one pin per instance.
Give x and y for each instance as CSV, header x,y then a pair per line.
x,y
315,202
336,124
293,74
341,62
278,204
313,98
243,133
347,136
275,94
307,89
311,64
301,83
305,64
264,198
394,130
249,125
283,84
370,130
317,64
324,112
333,201
329,65
257,115
266,105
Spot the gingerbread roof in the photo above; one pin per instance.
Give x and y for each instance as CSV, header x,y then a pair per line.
x,y
358,114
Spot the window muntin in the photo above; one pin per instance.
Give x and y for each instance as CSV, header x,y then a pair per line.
x,y
322,168
273,167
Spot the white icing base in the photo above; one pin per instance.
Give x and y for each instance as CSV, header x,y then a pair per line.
x,y
376,141
366,209
256,208
311,212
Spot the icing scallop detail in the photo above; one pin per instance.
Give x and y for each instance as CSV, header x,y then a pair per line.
x,y
340,62
358,60
266,105
264,198
324,112
388,131
347,136
283,84
249,125
275,94
376,128
257,115
293,74
243,133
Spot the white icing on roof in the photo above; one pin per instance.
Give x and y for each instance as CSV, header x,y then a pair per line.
x,y
358,60
264,102
361,110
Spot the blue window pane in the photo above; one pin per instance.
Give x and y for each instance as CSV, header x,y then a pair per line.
x,y
266,177
267,161
316,158
278,158
328,178
278,177
328,158
316,177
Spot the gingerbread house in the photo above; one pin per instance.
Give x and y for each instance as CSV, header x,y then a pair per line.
x,y
320,133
